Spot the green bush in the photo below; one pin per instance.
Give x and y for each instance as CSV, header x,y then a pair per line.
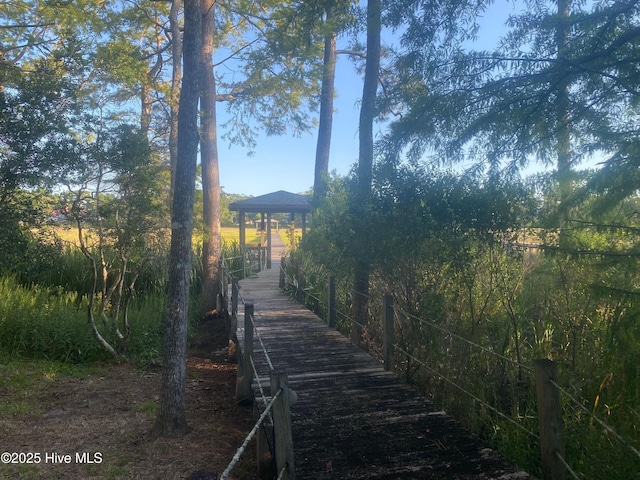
x,y
460,258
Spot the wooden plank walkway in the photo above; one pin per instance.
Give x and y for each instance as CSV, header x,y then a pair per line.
x,y
352,419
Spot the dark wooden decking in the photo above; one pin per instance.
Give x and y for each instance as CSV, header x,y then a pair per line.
x,y
352,419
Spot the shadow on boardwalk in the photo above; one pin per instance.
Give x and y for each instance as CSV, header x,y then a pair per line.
x,y
352,419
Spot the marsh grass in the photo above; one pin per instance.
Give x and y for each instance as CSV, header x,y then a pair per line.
x,y
51,324
43,316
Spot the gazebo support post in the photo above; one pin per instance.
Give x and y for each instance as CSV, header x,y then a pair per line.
x,y
268,241
243,237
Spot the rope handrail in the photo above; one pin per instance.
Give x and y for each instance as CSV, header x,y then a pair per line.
x,y
343,315
462,389
365,295
235,271
282,472
257,377
444,330
231,258
338,312
250,435
264,349
566,465
348,317
255,329
606,427
473,344
311,295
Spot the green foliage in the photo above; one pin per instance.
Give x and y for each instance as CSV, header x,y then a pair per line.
x,y
27,252
466,268
50,324
123,61
274,82
557,83
36,106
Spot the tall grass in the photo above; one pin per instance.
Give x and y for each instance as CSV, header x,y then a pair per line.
x,y
51,324
43,313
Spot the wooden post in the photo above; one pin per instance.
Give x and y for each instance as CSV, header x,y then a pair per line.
x,y
268,241
283,438
243,237
245,370
331,307
264,457
222,306
549,420
262,229
388,333
259,258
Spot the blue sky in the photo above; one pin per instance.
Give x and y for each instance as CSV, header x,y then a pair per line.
x,y
287,162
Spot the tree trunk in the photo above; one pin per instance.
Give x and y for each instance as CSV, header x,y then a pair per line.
x,y
171,419
212,243
146,109
176,78
146,100
563,118
323,147
365,173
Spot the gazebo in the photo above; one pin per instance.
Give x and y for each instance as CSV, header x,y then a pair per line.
x,y
276,202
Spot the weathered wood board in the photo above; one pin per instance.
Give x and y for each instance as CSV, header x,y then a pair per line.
x,y
352,419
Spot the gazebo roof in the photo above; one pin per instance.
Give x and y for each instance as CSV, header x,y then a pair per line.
x,y
276,202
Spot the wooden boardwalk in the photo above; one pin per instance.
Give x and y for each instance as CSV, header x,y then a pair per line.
x,y
352,419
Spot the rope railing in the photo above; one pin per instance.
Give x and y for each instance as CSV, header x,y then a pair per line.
x,y
282,473
466,340
252,259
559,457
227,262
250,435
264,349
255,258
466,392
257,377
281,449
606,427
562,460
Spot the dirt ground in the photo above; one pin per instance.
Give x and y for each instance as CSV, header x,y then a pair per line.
x,y
98,427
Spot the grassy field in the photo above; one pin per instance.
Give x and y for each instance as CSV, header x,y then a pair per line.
x,y
232,234
229,235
